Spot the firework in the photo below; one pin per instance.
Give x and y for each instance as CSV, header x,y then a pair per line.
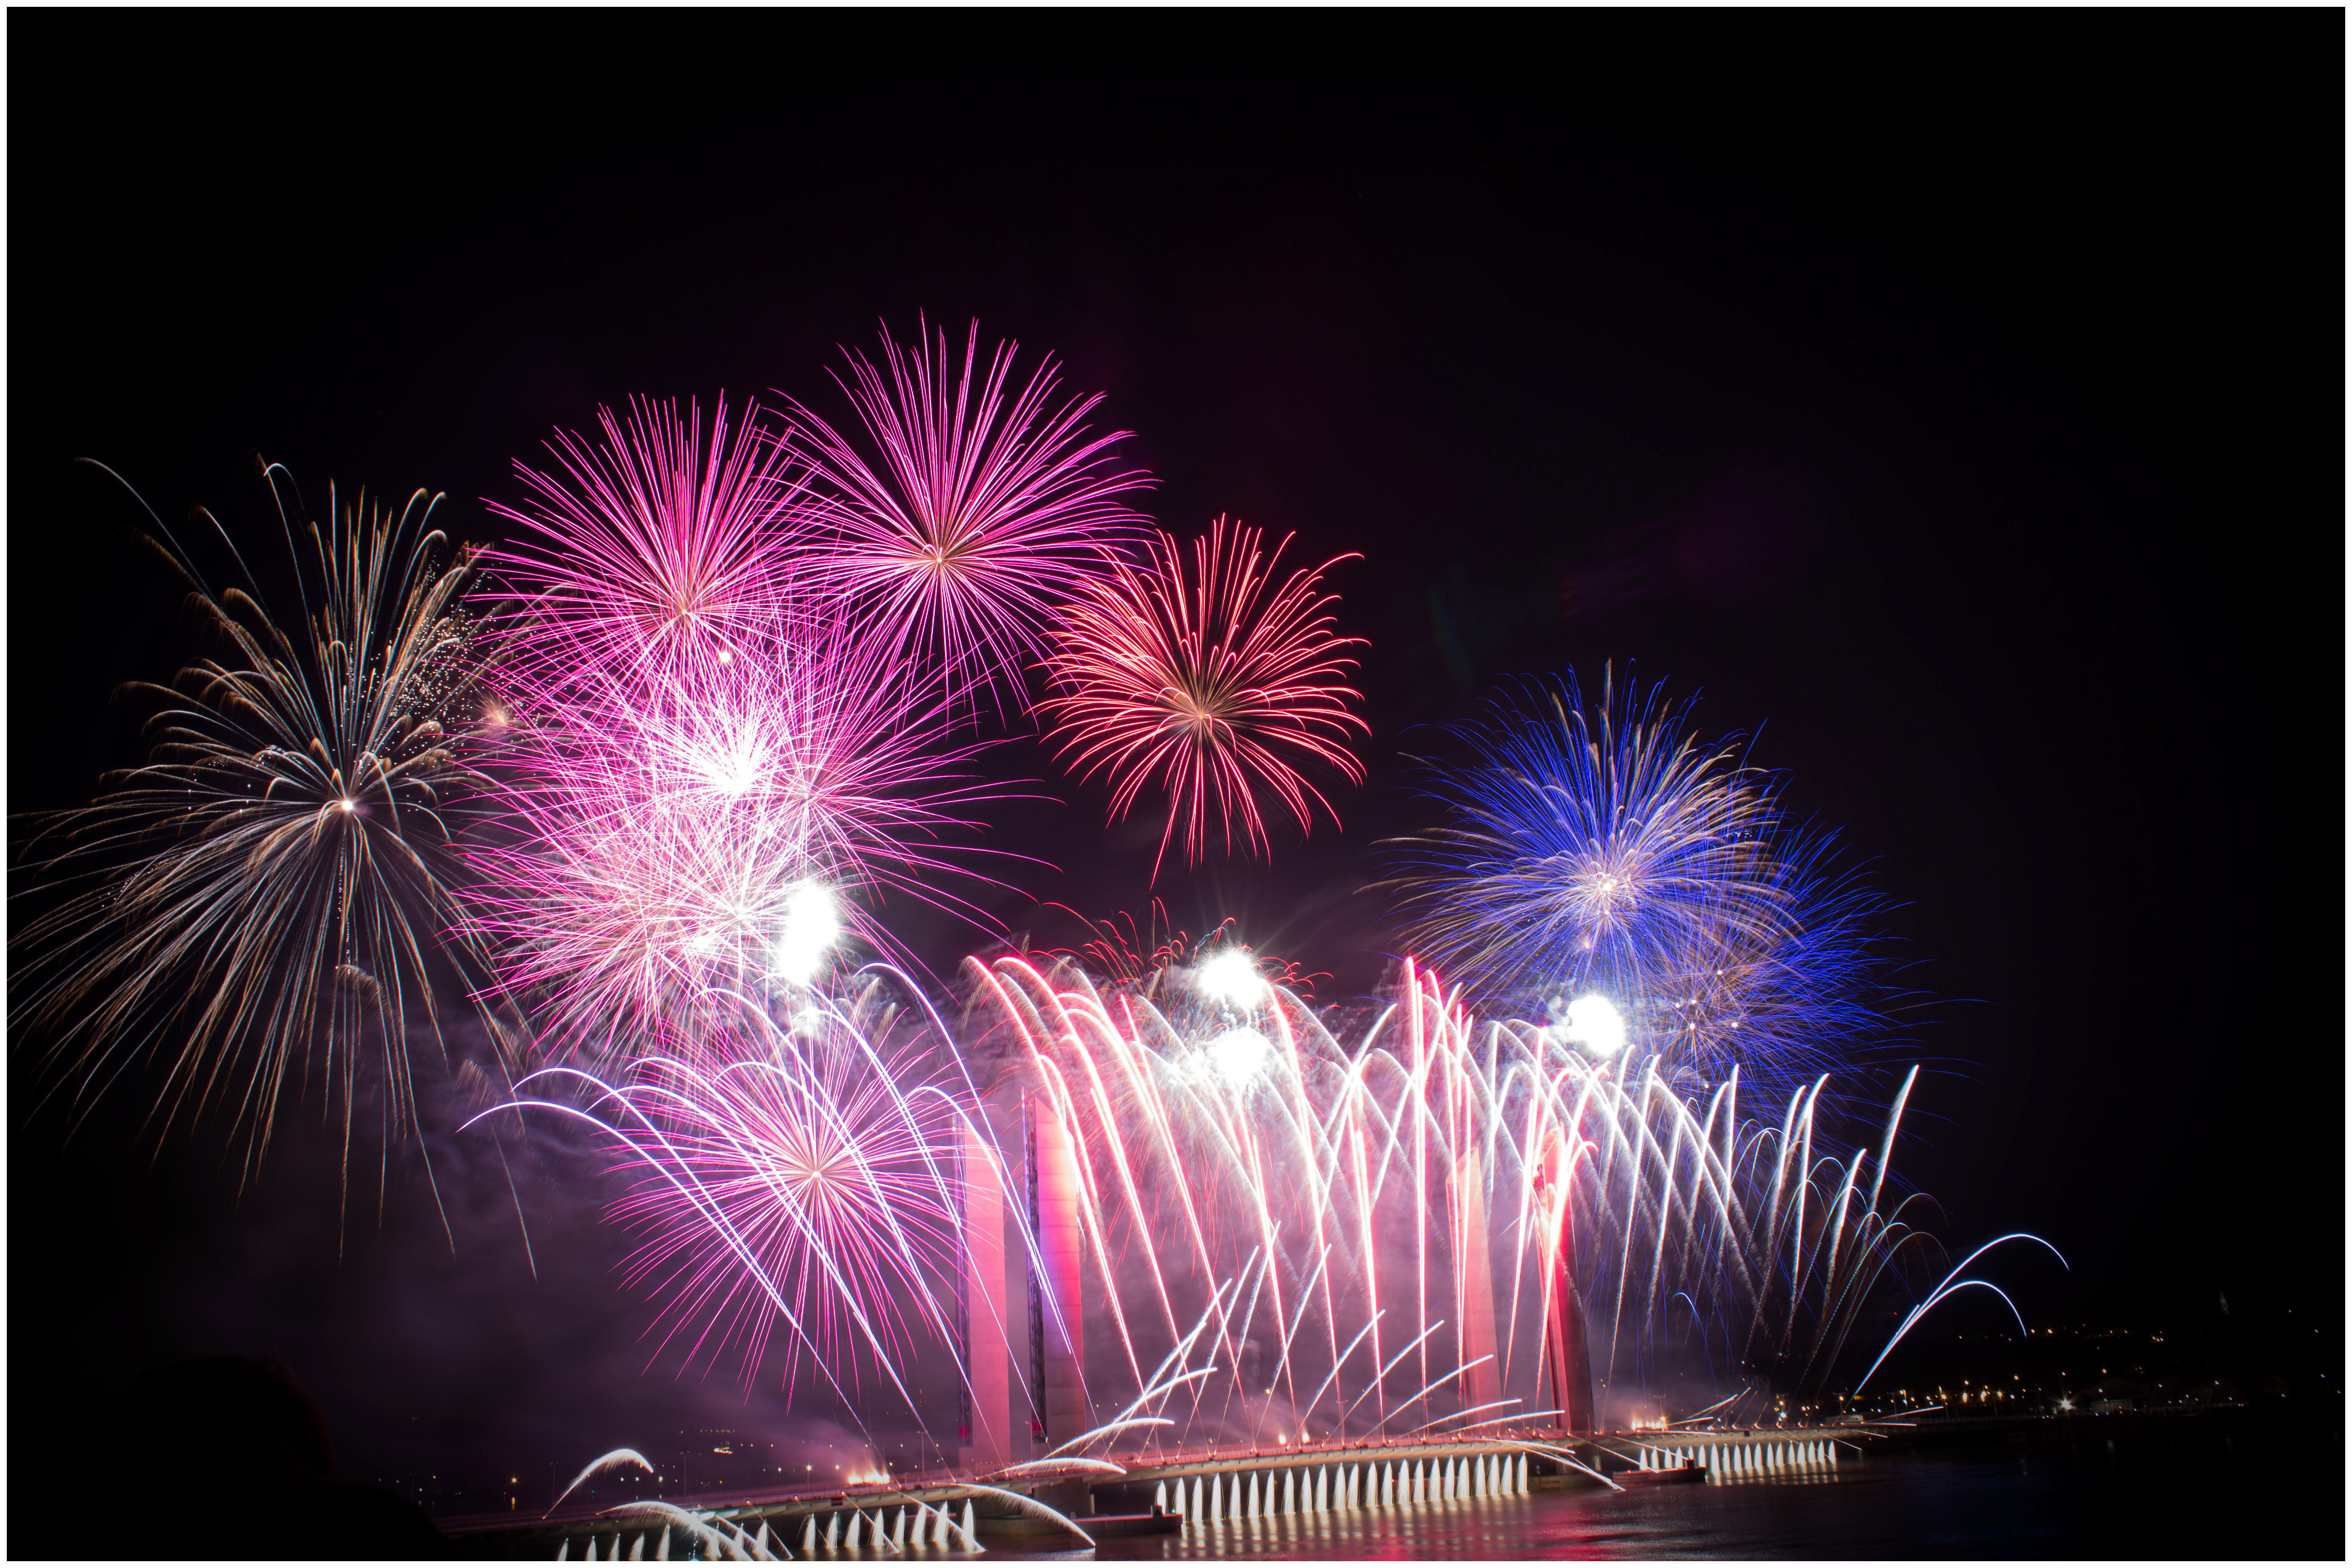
x,y
692,833
1372,1236
799,1173
1410,1210
713,725
1125,952
970,518
1611,853
823,1161
270,892
1413,1204
1210,682
651,554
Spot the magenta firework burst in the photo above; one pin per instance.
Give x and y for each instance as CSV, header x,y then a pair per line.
x,y
717,829
800,1175
810,1179
965,519
1208,681
655,553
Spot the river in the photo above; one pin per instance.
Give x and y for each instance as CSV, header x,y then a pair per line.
x,y
2191,1495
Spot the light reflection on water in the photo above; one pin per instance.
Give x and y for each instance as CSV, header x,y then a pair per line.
x,y
1658,1521
1986,1504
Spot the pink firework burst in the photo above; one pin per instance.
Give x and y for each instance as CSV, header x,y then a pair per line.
x,y
1211,682
694,835
975,517
654,554
794,1181
808,1180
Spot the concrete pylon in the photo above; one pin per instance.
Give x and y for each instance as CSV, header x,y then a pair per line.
x,y
1567,1362
987,1428
1060,1409
1474,1283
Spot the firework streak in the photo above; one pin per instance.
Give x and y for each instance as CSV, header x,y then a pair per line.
x,y
654,556
291,838
1288,1235
1610,850
973,520
647,811
718,826
1211,682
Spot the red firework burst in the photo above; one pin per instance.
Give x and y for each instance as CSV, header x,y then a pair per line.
x,y
979,518
1209,681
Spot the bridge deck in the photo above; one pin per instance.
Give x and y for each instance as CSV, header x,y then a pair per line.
x,y
1720,1451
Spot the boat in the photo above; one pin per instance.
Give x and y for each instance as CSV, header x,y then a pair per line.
x,y
1680,1476
1159,1521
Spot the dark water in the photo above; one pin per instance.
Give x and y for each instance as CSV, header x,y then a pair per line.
x,y
2216,1497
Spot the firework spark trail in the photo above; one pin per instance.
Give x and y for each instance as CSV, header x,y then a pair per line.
x,y
1442,1379
1607,848
1341,1360
713,725
980,517
1670,1216
802,1184
1159,1386
1952,1282
1729,1223
1490,1421
271,889
1380,1379
612,1460
821,1174
690,831
652,556
1209,682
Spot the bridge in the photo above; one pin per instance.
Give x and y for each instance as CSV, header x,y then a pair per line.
x,y
955,1511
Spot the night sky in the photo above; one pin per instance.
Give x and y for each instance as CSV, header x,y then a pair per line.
x,y
1952,401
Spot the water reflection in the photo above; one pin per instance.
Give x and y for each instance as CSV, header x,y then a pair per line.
x,y
2190,1499
1481,1527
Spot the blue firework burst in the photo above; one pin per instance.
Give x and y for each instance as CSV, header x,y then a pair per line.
x,y
1609,850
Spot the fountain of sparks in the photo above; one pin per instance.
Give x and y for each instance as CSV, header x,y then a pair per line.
x,y
1188,1227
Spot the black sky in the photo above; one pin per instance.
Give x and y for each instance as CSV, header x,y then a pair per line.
x,y
1956,398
